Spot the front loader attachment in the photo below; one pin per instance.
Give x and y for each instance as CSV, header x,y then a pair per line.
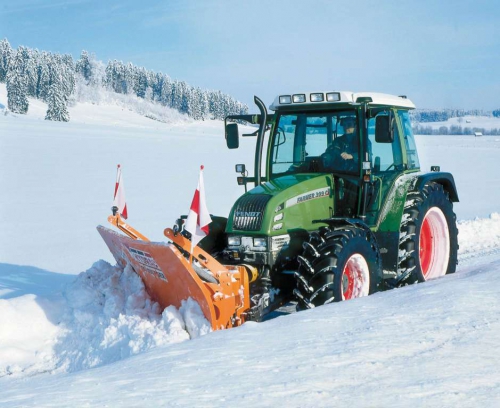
x,y
171,273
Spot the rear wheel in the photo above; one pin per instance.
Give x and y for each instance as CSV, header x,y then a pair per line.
x,y
428,240
337,265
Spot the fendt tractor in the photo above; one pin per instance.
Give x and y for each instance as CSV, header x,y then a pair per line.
x,y
341,211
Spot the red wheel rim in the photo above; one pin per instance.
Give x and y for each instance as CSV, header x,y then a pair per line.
x,y
348,278
426,246
355,278
434,244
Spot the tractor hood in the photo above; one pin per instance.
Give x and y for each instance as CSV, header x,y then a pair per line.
x,y
283,204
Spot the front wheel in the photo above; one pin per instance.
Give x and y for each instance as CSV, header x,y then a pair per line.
x,y
337,265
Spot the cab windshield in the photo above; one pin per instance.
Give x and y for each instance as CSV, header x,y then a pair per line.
x,y
315,142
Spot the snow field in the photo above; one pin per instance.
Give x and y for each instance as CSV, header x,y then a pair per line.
x,y
423,345
432,344
105,315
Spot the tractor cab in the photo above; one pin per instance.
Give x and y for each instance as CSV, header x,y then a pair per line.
x,y
361,141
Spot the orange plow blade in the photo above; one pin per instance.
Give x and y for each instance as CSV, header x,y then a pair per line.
x,y
170,276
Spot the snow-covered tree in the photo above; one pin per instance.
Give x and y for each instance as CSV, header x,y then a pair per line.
x,y
166,91
43,75
57,108
120,77
200,109
186,100
176,95
17,84
67,70
156,83
84,66
31,56
6,53
115,76
140,82
216,105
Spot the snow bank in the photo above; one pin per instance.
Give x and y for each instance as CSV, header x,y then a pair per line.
x,y
103,316
479,236
27,335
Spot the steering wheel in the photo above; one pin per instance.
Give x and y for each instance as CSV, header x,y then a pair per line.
x,y
330,156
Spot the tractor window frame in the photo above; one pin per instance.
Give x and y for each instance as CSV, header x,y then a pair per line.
x,y
310,141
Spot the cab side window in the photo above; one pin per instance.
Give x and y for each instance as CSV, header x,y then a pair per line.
x,y
385,157
411,150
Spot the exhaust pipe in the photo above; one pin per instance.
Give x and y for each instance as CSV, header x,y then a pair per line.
x,y
260,139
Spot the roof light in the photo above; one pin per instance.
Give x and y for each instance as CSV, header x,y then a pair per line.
x,y
333,97
317,97
299,98
284,99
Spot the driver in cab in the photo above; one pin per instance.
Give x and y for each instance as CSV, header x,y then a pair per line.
x,y
343,152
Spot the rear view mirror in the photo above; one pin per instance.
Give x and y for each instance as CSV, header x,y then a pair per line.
x,y
383,128
232,136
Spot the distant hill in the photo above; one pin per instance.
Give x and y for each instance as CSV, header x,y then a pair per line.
x,y
60,81
455,122
442,115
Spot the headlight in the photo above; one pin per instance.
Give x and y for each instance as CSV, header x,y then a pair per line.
x,y
234,241
260,242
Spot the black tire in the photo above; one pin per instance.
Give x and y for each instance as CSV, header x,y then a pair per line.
x,y
428,240
337,265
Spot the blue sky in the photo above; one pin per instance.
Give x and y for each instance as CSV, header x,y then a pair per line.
x,y
440,54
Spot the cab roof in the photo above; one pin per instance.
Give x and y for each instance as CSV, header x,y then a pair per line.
x,y
334,98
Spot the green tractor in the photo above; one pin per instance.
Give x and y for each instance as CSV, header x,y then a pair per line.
x,y
342,209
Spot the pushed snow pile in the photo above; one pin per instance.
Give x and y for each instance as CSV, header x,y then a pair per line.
x,y
103,316
481,235
27,335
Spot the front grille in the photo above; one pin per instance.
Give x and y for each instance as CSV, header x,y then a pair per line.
x,y
249,212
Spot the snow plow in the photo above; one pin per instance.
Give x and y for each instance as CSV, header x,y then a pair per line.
x,y
171,277
342,211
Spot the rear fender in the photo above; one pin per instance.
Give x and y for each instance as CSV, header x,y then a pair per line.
x,y
388,226
445,179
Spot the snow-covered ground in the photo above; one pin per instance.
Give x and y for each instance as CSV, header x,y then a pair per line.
x,y
95,339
